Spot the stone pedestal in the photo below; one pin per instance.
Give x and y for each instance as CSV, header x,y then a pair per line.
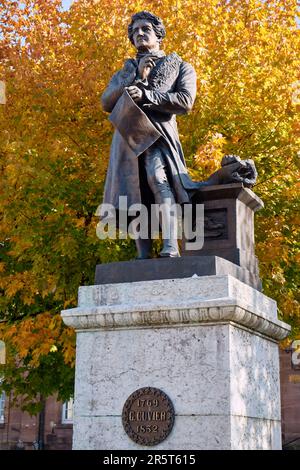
x,y
172,268
209,343
229,225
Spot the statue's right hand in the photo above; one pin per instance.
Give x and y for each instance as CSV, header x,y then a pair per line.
x,y
146,64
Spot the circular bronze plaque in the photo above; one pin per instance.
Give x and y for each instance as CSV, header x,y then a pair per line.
x,y
148,416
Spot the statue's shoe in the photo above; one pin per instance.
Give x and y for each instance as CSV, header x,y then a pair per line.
x,y
169,254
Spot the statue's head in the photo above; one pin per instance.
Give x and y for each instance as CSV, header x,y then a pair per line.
x,y
146,30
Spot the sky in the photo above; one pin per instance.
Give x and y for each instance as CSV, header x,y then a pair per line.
x,y
66,3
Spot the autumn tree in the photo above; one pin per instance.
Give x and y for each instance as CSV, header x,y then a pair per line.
x,y
54,147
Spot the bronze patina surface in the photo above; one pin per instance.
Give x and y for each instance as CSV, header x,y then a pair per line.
x,y
148,416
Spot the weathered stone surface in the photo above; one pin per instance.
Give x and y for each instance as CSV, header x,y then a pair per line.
x,y
208,343
251,433
195,432
175,302
215,375
208,432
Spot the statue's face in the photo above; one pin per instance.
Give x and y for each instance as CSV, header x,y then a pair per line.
x,y
144,37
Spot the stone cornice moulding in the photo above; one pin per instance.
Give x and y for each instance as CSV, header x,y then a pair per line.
x,y
175,302
85,319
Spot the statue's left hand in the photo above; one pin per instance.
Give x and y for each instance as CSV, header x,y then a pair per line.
x,y
135,93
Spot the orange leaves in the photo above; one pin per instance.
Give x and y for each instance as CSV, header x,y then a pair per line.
x,y
32,338
27,285
20,282
274,250
67,341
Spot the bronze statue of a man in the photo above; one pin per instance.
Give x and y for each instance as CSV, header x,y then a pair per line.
x,y
146,161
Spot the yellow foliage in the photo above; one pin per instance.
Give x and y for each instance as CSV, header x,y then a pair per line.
x,y
55,141
209,155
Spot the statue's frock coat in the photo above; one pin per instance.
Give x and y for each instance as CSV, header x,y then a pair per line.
x,y
171,90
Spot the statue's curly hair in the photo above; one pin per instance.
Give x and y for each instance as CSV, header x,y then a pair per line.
x,y
157,24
